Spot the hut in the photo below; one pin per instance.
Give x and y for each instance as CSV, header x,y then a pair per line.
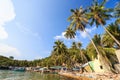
x,y
94,66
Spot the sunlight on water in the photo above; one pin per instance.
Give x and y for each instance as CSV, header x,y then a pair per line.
x,y
12,75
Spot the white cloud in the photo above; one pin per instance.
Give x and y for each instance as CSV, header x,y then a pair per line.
x,y
7,14
3,33
60,36
84,34
7,50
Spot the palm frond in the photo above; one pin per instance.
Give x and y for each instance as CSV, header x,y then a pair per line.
x,y
72,10
103,3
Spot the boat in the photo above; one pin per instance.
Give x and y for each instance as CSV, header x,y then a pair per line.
x,y
21,69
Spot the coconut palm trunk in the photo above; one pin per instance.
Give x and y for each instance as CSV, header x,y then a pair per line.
x,y
111,35
93,43
103,59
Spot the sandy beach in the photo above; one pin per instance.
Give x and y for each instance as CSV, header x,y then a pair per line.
x,y
91,76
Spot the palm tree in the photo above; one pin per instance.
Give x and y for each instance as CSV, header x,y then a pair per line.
x,y
79,21
83,57
59,52
107,41
117,12
98,15
74,46
69,33
90,48
73,54
118,21
54,58
60,47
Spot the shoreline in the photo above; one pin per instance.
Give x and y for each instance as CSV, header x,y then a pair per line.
x,y
74,76
91,76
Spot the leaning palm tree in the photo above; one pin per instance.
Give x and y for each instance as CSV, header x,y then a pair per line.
x,y
79,21
98,15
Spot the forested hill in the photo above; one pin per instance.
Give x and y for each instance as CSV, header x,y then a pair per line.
x,y
3,58
10,61
5,61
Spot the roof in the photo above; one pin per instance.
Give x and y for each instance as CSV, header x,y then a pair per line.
x,y
56,67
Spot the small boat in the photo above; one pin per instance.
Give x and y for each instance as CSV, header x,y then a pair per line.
x,y
21,69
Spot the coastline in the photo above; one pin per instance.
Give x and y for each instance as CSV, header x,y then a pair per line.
x,y
91,76
74,76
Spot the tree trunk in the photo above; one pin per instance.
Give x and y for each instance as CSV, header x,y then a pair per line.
x,y
111,36
100,56
83,57
93,44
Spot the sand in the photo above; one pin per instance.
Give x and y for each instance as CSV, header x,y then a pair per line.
x,y
91,76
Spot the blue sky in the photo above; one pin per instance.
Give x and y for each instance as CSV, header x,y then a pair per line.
x,y
28,28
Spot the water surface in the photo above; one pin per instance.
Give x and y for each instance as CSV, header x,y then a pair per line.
x,y
13,75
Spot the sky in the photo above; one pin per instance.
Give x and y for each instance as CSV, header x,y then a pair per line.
x,y
29,28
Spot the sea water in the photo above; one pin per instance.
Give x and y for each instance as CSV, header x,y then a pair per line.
x,y
14,75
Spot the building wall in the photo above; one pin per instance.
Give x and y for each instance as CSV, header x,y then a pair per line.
x,y
118,54
96,66
101,68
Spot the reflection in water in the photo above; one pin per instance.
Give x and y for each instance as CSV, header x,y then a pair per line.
x,y
12,75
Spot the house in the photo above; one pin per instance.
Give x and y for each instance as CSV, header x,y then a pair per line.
x,y
95,66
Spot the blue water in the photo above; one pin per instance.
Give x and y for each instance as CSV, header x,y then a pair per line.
x,y
13,75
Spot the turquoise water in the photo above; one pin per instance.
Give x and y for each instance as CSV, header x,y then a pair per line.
x,y
12,75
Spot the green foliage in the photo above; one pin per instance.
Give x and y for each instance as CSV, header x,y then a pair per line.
x,y
98,14
107,54
70,33
117,10
114,29
4,61
91,52
78,19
